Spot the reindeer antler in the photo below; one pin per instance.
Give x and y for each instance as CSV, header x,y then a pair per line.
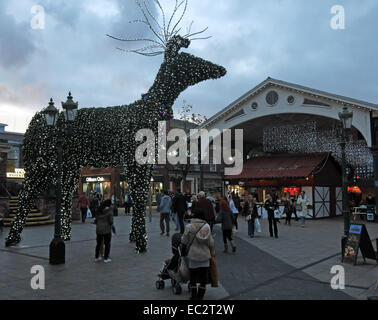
x,y
163,33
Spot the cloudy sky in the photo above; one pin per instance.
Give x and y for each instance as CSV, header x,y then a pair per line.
x,y
291,40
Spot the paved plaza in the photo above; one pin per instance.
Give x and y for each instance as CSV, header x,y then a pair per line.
x,y
295,266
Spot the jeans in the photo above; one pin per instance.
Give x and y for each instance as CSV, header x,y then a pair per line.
x,y
236,220
83,214
272,221
251,227
176,220
106,238
198,275
180,216
164,216
227,234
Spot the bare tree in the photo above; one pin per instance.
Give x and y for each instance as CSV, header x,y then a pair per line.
x,y
187,115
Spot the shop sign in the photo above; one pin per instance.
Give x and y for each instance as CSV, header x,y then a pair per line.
x,y
94,179
358,240
17,174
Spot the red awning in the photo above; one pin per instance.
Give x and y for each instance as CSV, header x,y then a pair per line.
x,y
280,166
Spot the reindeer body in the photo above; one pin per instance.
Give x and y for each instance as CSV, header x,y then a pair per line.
x,y
88,144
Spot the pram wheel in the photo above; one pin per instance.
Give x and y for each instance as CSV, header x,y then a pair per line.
x,y
159,284
176,289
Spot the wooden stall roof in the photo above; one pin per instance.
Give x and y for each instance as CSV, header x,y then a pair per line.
x,y
281,166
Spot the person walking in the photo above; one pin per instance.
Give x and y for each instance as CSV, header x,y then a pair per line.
x,y
288,210
206,205
1,223
227,219
270,206
127,203
234,209
165,209
250,211
158,197
303,203
179,207
114,205
104,222
83,203
197,236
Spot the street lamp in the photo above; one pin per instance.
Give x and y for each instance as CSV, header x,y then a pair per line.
x,y
346,117
57,246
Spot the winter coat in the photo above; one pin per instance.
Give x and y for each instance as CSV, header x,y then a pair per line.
x,y
247,211
83,201
270,206
104,221
207,206
165,204
303,202
233,207
197,234
227,219
179,203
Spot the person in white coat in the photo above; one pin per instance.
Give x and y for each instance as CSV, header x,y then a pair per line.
x,y
303,203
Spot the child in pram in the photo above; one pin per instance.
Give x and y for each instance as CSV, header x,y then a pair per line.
x,y
170,268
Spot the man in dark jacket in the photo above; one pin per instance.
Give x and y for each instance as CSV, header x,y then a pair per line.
x,y
180,206
104,222
206,205
270,206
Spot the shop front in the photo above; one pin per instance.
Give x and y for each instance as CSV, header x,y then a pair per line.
x,y
101,184
287,175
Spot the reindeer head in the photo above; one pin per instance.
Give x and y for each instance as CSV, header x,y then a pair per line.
x,y
178,72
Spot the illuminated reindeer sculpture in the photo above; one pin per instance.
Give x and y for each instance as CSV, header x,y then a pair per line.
x,y
105,137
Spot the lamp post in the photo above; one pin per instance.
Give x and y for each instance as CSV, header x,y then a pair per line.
x,y
346,117
57,246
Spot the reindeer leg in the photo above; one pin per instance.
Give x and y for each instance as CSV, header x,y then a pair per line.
x,y
139,185
30,190
70,181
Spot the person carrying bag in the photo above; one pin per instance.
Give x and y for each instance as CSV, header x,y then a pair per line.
x,y
198,236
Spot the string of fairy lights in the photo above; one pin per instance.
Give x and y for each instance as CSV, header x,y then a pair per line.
x,y
305,138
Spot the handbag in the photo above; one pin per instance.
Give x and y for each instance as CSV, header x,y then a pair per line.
x,y
213,269
249,217
257,225
183,270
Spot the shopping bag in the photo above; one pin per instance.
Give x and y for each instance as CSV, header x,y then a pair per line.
x,y
249,217
257,225
277,214
184,272
213,269
89,213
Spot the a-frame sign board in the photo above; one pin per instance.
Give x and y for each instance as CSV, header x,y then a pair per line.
x,y
358,239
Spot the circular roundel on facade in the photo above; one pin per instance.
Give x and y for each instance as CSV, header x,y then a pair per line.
x,y
271,98
254,105
290,99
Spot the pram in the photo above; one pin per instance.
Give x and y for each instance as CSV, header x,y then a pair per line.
x,y
171,266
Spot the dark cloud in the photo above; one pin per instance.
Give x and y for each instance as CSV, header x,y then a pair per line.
x,y
16,40
290,40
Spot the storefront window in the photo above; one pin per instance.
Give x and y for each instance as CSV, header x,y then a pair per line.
x,y
155,186
97,184
237,189
292,191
